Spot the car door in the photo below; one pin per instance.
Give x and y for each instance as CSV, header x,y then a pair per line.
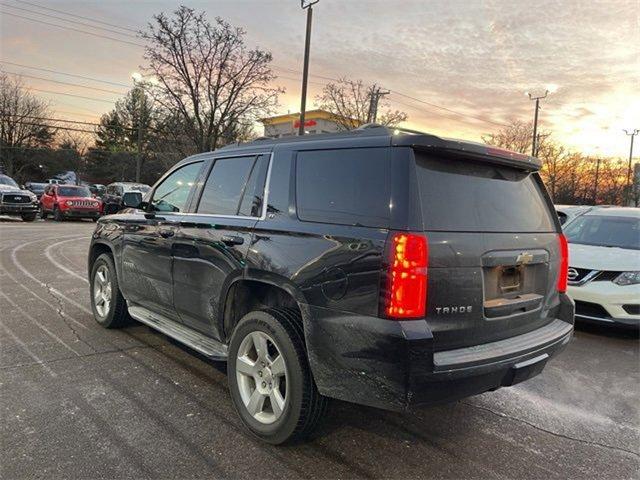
x,y
148,241
211,245
47,199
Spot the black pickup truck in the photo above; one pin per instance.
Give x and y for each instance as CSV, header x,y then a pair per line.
x,y
386,268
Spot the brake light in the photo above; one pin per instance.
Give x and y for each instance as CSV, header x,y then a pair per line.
x,y
406,289
563,268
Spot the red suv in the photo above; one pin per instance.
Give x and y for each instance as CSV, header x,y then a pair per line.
x,y
69,201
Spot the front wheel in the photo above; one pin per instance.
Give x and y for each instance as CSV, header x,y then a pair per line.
x,y
108,305
29,217
270,379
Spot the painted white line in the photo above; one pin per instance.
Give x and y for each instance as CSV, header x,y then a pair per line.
x,y
29,352
16,262
47,253
42,327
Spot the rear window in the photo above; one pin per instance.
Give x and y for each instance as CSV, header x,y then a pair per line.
x,y
459,195
346,187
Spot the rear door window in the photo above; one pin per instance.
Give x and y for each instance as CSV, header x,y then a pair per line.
x,y
253,197
347,187
460,195
225,185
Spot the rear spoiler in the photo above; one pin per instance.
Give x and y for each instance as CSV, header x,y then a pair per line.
x,y
470,150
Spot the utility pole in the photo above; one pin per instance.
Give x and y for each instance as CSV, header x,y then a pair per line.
x,y
308,5
374,97
139,93
632,134
595,183
537,98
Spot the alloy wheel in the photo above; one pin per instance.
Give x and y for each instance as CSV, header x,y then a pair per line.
x,y
261,374
102,290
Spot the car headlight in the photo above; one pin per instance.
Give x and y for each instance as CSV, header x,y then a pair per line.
x,y
69,203
627,278
33,197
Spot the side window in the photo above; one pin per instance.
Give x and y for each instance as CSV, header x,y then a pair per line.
x,y
225,185
253,197
172,194
347,187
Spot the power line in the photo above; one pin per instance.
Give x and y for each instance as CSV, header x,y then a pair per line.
x,y
65,73
71,95
75,29
447,109
74,22
77,16
65,83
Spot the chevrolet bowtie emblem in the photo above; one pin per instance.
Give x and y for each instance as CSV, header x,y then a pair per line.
x,y
523,258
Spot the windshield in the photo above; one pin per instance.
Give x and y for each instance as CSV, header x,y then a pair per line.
x,y
4,180
605,231
74,192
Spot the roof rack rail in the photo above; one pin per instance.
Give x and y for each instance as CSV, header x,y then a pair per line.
x,y
391,130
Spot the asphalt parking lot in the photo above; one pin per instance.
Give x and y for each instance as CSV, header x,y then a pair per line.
x,y
78,401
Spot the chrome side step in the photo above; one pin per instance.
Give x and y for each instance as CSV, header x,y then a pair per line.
x,y
183,334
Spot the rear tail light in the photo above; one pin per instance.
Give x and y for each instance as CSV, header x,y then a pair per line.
x,y
563,267
405,292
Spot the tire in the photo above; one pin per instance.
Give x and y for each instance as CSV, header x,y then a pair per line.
x,y
29,217
43,213
57,215
303,406
115,313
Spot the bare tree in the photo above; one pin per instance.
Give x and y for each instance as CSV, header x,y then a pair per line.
x,y
24,125
207,75
349,101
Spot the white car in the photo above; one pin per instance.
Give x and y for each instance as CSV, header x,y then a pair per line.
x,y
604,265
566,213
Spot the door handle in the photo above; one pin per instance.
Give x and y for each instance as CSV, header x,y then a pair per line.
x,y
232,240
166,232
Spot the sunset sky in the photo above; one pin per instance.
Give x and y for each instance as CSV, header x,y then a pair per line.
x,y
474,57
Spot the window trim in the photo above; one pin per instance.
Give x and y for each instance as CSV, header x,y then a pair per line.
x,y
265,189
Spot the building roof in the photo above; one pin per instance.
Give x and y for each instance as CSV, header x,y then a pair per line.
x,y
317,114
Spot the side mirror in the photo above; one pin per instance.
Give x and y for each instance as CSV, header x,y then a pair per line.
x,y
132,199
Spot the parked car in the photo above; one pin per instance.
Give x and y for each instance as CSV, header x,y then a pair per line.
x,y
36,187
97,190
604,272
390,270
566,213
69,201
112,199
15,201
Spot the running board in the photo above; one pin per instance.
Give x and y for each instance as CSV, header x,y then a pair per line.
x,y
183,334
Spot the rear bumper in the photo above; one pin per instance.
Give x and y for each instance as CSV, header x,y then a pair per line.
x,y
392,365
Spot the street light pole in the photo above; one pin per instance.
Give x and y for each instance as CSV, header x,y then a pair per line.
x,y
308,5
632,134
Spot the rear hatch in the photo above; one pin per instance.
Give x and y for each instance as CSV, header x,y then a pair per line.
x,y
493,247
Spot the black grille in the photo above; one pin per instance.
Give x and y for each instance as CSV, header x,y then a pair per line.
x,y
607,276
591,310
15,198
576,275
632,309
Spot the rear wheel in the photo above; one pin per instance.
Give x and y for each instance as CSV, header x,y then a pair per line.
x,y
108,305
29,217
270,379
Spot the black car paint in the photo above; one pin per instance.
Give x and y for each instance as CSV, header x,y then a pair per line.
x,y
333,272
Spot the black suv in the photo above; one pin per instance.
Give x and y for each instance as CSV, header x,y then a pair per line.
x,y
387,268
